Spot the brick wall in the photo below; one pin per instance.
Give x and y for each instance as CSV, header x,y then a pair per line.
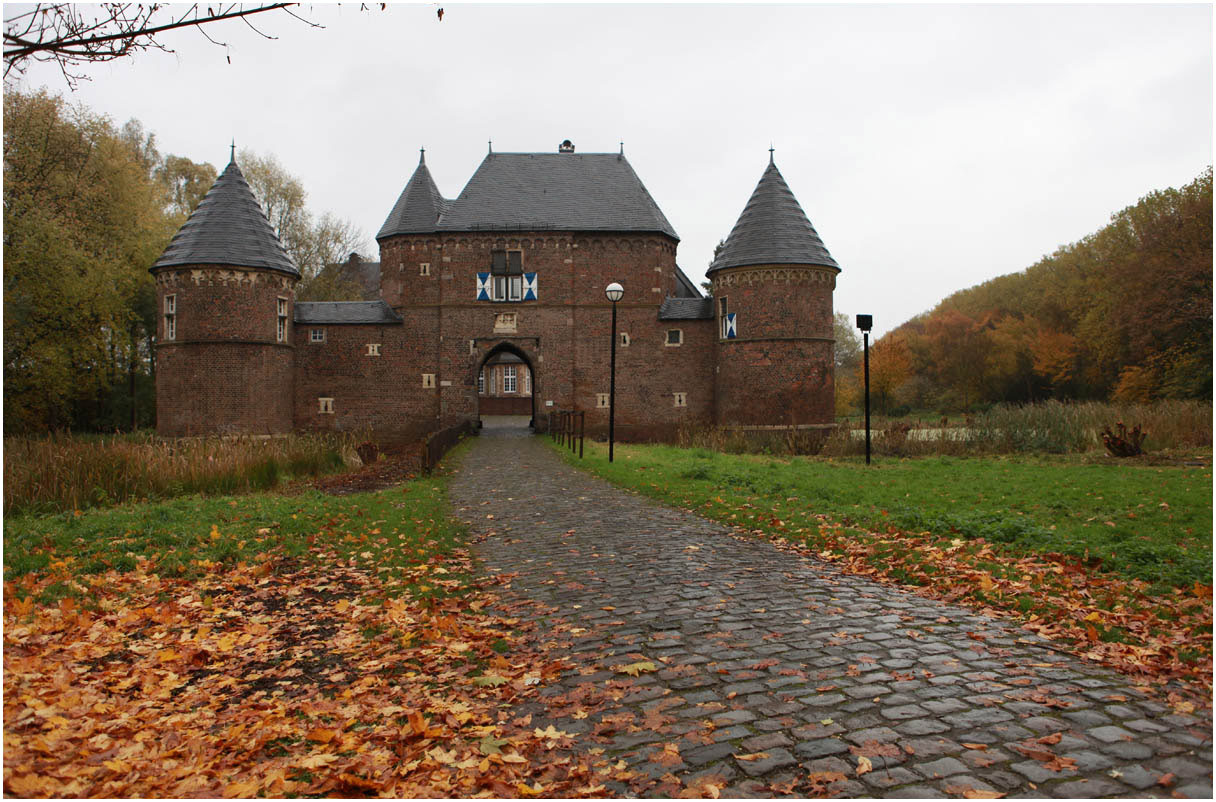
x,y
778,370
227,372
383,393
224,371
564,334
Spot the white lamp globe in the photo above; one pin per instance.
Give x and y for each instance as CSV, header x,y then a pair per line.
x,y
614,291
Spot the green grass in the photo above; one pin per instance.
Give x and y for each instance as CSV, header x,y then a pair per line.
x,y
393,532
1143,522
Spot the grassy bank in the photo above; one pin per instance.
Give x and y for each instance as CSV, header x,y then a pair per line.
x,y
1115,556
1148,523
72,472
392,531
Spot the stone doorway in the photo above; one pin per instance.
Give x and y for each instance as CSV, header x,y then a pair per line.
x,y
506,389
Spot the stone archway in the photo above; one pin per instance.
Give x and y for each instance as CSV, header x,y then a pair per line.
x,y
504,362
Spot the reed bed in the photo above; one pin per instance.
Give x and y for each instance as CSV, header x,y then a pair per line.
x,y
73,472
1051,427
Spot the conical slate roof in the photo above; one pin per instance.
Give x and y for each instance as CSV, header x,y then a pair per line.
x,y
228,228
417,210
773,229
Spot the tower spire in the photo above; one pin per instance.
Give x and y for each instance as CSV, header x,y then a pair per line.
x,y
770,153
232,152
422,155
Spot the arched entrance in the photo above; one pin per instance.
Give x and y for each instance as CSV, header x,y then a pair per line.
x,y
505,381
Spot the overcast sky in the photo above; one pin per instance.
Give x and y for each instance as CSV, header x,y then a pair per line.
x,y
932,147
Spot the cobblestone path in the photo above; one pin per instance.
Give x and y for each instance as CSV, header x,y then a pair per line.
x,y
772,670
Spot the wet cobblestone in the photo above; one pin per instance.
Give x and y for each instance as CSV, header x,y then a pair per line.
x,y
762,652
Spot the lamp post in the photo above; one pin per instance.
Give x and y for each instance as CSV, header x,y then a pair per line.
x,y
615,292
865,323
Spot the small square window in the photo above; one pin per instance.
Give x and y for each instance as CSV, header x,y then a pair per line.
x,y
428,380
681,399
373,349
424,268
316,336
601,400
325,406
624,338
675,337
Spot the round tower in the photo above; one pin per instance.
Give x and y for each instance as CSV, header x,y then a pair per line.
x,y
225,291
772,289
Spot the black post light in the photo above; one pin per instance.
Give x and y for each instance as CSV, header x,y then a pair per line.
x,y
615,292
865,323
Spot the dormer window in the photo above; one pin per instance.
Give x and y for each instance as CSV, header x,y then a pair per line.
x,y
507,275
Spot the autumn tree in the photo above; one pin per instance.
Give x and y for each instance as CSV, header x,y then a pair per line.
x,y
1125,312
83,220
890,367
185,183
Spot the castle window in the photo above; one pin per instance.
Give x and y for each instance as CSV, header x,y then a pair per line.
x,y
508,379
624,338
601,400
507,270
428,380
527,382
675,337
373,349
282,309
316,336
170,317
424,268
481,382
722,311
325,406
681,399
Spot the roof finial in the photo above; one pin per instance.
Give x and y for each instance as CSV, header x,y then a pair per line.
x,y
490,142
622,147
232,153
421,156
770,153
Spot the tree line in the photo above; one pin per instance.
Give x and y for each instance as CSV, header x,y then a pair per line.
x,y
1124,314
88,207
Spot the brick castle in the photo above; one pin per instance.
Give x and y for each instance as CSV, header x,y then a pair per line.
x,y
506,280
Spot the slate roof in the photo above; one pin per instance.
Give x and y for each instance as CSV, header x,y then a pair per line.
x,y
418,208
344,312
534,192
687,309
773,229
228,228
684,286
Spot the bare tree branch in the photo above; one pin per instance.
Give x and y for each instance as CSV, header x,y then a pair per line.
x,y
65,34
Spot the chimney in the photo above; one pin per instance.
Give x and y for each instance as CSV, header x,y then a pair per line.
x,y
566,146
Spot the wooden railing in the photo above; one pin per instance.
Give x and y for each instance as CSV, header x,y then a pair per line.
x,y
439,443
567,427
